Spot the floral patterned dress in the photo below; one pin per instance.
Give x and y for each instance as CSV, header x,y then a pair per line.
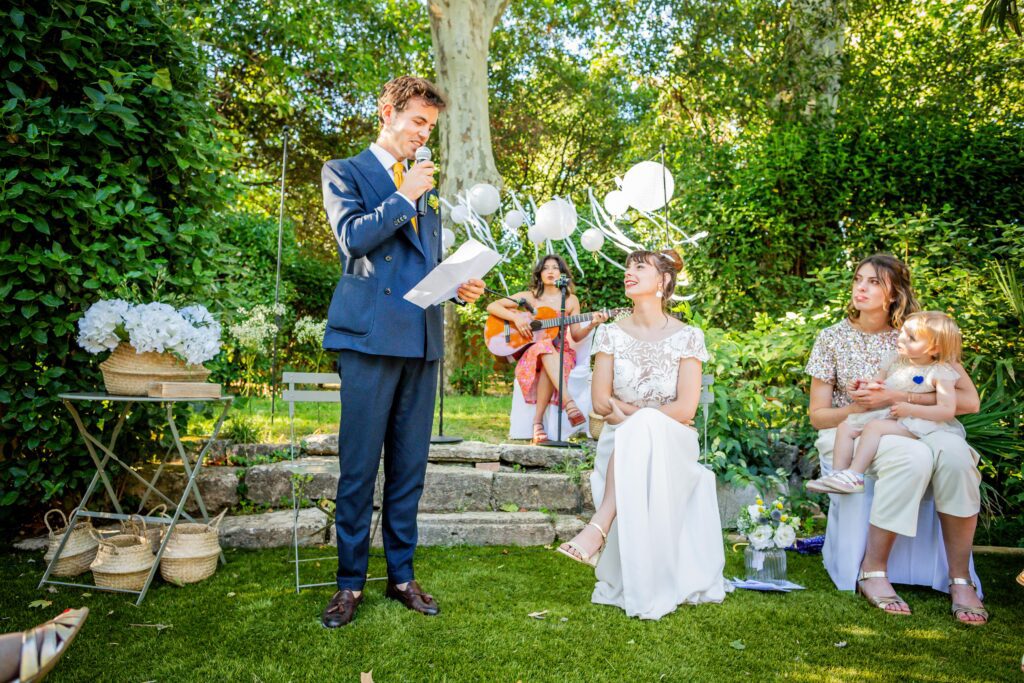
x,y
528,369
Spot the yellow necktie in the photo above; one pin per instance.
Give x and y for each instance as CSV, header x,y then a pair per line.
x,y
399,170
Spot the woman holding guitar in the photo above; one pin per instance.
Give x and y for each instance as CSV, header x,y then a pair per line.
x,y
537,368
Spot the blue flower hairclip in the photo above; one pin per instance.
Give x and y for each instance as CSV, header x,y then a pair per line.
x,y
918,379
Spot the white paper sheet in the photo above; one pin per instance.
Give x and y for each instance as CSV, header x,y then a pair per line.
x,y
471,260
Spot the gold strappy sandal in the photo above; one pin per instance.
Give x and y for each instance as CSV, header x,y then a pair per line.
x,y
881,601
584,557
958,609
43,646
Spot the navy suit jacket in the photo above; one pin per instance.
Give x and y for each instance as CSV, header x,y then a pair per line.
x,y
382,258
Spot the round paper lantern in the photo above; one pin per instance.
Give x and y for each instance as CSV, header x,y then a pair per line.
x,y
447,239
460,215
616,203
592,240
556,219
484,198
514,219
648,186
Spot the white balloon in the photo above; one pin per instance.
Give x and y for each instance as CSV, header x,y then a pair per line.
x,y
460,215
535,235
616,203
648,186
447,239
484,198
514,219
592,240
556,219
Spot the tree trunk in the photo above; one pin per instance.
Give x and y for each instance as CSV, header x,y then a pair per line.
x,y
461,33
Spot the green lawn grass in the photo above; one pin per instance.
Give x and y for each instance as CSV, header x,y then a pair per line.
x,y
476,418
247,624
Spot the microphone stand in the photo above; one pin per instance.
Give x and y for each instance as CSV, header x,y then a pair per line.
x,y
558,443
440,437
520,303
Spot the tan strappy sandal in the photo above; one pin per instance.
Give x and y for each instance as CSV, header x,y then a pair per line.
x,y
585,557
882,601
43,646
958,609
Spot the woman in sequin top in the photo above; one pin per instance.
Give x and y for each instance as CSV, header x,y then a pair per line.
x,y
853,350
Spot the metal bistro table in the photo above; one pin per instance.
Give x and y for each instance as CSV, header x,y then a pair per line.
x,y
94,446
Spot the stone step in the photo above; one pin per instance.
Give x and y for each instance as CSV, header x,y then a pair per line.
x,y
274,529
217,485
466,452
446,488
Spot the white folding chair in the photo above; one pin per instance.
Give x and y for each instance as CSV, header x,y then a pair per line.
x,y
291,396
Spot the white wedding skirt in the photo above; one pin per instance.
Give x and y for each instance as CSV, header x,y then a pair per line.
x,y
665,546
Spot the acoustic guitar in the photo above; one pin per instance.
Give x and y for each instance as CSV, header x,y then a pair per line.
x,y
503,339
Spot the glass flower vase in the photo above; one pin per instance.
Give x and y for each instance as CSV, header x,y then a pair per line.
x,y
765,565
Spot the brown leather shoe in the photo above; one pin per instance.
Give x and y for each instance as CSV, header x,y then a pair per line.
x,y
413,598
341,609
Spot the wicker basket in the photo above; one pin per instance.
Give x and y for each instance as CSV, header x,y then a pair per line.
x,y
155,534
122,561
129,373
192,552
79,551
596,425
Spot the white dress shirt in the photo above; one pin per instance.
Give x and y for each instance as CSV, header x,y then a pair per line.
x,y
388,161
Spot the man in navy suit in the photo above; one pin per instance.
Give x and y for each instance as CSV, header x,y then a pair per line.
x,y
388,348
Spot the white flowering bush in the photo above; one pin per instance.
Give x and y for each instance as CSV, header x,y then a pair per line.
x,y
256,327
191,333
254,334
768,526
309,335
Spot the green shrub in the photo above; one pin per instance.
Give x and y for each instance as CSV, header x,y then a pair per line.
x,y
110,165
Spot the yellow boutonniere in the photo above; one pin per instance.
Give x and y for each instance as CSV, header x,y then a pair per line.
x,y
433,202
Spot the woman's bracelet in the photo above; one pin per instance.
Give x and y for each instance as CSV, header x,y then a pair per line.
x,y
910,398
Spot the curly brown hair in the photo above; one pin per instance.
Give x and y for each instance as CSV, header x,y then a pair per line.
x,y
397,92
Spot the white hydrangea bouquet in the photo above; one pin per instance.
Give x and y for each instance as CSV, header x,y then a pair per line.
x,y
151,343
768,526
191,333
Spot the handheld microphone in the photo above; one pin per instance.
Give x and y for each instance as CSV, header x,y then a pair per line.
x,y
423,154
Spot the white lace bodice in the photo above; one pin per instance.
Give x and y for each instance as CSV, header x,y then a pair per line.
x,y
645,374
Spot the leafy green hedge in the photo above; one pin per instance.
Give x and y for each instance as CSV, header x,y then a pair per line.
x,y
110,162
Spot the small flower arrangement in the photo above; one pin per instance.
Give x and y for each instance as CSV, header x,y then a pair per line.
x,y
768,526
190,333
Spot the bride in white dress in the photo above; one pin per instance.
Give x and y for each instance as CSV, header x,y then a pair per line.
x,y
656,538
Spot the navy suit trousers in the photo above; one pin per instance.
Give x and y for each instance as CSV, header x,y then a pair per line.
x,y
387,402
